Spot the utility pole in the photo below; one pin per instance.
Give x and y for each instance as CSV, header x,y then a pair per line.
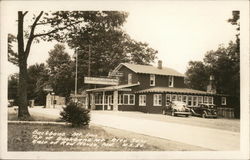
x,y
76,54
89,61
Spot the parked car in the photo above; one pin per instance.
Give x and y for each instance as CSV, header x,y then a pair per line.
x,y
204,110
176,108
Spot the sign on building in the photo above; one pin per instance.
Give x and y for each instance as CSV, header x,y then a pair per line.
x,y
96,80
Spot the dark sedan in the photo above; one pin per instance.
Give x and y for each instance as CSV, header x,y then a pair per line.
x,y
204,110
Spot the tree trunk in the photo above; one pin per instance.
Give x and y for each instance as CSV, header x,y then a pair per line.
x,y
23,113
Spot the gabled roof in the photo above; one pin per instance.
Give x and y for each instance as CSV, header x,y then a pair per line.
x,y
147,69
175,90
112,88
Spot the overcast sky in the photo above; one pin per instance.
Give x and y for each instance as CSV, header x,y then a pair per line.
x,y
181,32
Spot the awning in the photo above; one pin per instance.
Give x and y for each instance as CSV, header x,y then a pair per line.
x,y
113,88
176,90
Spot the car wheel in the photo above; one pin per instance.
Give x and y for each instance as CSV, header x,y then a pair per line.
x,y
172,113
204,115
163,112
187,115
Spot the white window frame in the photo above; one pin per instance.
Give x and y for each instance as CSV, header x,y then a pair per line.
x,y
173,95
168,97
129,99
152,79
223,100
178,97
130,78
205,100
212,100
190,99
186,97
171,79
200,99
142,100
195,101
157,99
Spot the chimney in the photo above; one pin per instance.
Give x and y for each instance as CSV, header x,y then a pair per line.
x,y
211,88
159,64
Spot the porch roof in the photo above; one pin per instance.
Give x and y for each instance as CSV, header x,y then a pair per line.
x,y
112,88
176,90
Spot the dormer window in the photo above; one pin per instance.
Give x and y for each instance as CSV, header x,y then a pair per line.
x,y
171,81
152,80
129,78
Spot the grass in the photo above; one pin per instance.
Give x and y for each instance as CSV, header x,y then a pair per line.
x,y
20,139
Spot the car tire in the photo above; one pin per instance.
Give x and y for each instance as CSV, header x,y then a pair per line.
x,y
163,112
204,115
172,113
187,115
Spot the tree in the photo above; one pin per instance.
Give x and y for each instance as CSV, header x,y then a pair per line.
x,y
38,77
197,75
61,71
106,45
51,26
12,87
12,55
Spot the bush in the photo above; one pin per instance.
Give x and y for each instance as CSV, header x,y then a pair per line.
x,y
75,115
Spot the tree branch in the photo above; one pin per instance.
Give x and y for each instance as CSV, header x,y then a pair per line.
x,y
25,13
31,37
55,30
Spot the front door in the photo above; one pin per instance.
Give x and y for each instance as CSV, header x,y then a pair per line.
x,y
109,102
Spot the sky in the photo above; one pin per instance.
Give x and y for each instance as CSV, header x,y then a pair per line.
x,y
180,32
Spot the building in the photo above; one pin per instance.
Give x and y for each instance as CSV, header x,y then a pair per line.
x,y
147,89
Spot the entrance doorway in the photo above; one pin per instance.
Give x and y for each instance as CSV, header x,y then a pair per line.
x,y
110,102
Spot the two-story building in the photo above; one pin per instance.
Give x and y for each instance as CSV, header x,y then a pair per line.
x,y
147,89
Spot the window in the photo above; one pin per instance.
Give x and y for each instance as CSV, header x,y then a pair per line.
x,y
142,100
179,97
152,80
171,81
195,101
200,99
184,98
125,99
98,99
168,99
173,97
157,99
106,99
190,100
120,100
129,78
206,99
129,99
210,100
223,101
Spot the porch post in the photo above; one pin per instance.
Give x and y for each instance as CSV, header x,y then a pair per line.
x,y
115,103
103,99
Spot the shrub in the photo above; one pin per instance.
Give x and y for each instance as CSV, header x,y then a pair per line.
x,y
75,115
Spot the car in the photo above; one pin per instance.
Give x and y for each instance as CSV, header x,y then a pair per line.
x,y
176,108
204,110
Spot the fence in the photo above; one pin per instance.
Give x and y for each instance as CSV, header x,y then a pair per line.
x,y
225,112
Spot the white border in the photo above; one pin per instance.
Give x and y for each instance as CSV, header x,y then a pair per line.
x,y
243,6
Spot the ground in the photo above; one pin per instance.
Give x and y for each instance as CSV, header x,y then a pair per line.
x,y
160,131
20,137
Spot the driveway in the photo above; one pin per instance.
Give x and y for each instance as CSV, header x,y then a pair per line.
x,y
215,139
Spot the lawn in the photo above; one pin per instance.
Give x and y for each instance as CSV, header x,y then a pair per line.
x,y
51,137
55,137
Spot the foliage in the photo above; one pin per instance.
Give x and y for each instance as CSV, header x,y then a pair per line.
x,y
75,115
197,75
61,71
38,76
107,44
12,87
12,55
